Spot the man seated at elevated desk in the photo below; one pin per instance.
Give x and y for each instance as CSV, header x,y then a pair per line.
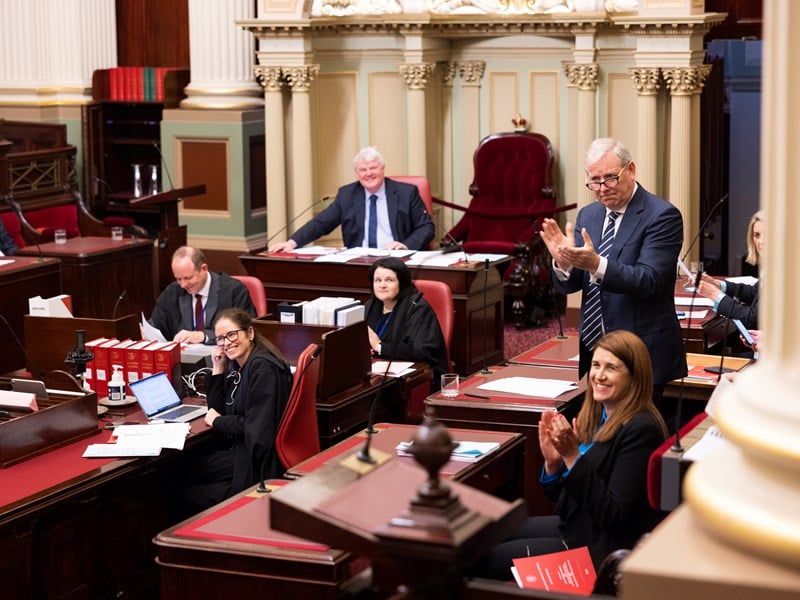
x,y
186,308
374,212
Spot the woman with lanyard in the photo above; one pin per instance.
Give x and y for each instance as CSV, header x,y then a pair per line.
x,y
596,466
402,325
247,394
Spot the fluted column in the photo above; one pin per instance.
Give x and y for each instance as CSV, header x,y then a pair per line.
x,y
471,74
683,192
271,79
222,56
647,82
747,494
298,79
448,71
415,76
584,77
50,49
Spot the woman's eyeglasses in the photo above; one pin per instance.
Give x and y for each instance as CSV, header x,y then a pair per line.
x,y
231,337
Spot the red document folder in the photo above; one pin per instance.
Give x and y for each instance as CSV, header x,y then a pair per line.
x,y
569,571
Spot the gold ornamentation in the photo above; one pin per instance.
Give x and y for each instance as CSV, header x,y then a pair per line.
x,y
646,80
582,75
520,123
416,74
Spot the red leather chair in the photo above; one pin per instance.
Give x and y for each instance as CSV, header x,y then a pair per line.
x,y
440,298
424,187
258,295
13,227
298,435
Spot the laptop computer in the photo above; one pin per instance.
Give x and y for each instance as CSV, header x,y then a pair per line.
x,y
159,400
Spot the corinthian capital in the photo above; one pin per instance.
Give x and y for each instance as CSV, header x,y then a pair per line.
x,y
270,78
416,74
582,75
448,71
646,80
299,78
685,81
471,72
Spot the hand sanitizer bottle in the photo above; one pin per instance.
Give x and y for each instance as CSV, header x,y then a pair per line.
x,y
116,387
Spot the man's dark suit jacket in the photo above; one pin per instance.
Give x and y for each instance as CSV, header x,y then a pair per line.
x,y
409,219
638,290
174,309
7,244
746,309
603,501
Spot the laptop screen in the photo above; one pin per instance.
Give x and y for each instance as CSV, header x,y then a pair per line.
x,y
155,393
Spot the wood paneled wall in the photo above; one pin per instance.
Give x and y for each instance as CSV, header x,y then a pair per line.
x,y
153,33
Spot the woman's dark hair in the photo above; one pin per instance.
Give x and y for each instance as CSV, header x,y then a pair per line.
x,y
244,321
400,269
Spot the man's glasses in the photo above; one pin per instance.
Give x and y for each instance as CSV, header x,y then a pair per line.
x,y
231,336
609,182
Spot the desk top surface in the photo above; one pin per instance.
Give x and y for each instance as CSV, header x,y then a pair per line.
x,y
84,246
364,261
16,263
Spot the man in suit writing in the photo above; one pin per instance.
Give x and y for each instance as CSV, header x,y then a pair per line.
x,y
622,254
186,308
374,212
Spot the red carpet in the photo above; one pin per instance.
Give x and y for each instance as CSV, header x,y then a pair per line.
x,y
517,342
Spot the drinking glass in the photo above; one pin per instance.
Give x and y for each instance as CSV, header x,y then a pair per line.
x,y
60,236
116,234
450,385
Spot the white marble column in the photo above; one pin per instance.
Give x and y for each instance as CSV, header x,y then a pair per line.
x,y
298,80
683,191
471,74
647,82
448,71
747,493
51,47
584,77
415,76
222,56
271,79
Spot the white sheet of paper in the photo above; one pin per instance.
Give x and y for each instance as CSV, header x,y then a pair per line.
x,y
529,386
746,279
151,333
117,451
161,435
721,388
397,368
695,315
434,258
711,440
306,250
481,257
5,262
684,269
698,301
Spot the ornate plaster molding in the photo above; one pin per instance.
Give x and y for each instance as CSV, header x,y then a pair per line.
x,y
685,81
646,80
299,78
471,72
416,75
582,75
270,78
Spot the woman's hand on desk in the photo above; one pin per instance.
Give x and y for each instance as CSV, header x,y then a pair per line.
x,y
210,416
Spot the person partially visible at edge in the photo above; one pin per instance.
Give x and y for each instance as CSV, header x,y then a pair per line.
x,y
7,245
739,300
177,314
595,467
635,278
401,222
402,324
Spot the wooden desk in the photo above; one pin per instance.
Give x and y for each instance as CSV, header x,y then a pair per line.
x,y
700,335
73,527
296,279
231,550
509,412
498,476
701,389
96,270
21,279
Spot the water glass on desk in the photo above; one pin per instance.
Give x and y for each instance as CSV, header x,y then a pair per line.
x,y
116,234
60,236
450,385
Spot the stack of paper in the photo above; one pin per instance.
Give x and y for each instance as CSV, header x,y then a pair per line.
x,y
141,440
464,452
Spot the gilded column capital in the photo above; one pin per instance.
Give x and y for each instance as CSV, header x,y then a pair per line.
x,y
686,81
270,78
471,72
416,74
448,70
299,78
582,75
646,80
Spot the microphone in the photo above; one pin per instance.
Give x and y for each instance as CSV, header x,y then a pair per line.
x,y
453,246
34,369
79,356
40,256
485,370
676,444
364,455
291,221
163,164
116,305
714,208
560,335
298,380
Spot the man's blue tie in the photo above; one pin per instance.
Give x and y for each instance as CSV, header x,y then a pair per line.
x,y
592,310
372,231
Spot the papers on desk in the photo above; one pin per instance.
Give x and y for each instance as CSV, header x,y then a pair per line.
x,y
694,315
5,262
397,368
464,452
482,256
529,386
151,333
711,440
351,253
141,440
698,301
745,279
435,258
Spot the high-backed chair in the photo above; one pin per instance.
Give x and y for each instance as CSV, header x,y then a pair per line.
x,y
424,187
13,227
440,298
298,434
258,295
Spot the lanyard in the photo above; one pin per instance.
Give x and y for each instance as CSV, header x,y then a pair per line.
x,y
384,325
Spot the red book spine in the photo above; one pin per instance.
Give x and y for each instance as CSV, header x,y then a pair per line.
x,y
166,358
132,364
147,360
138,81
91,366
103,368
